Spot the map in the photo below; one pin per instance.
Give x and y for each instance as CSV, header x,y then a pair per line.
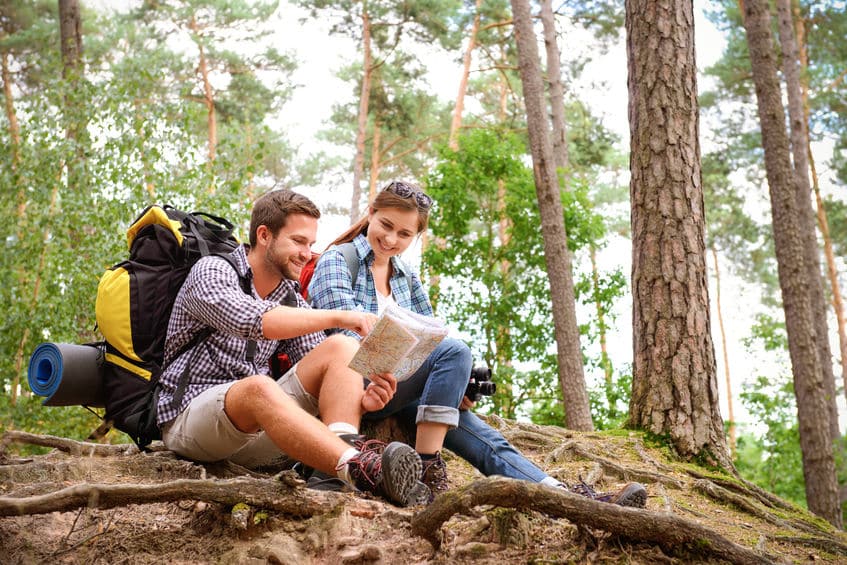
x,y
399,343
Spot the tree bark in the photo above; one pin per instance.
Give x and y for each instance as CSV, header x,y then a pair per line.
x,y
364,95
556,253
812,404
557,91
665,529
375,160
208,101
823,224
799,142
674,389
11,115
456,122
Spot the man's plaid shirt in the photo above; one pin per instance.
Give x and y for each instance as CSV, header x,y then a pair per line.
x,y
212,296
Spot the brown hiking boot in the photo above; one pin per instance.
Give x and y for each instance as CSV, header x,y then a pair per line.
x,y
633,495
434,475
389,470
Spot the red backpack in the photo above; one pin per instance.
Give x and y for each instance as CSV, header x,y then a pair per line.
x,y
348,250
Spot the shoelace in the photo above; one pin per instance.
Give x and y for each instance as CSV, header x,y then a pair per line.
x,y
375,463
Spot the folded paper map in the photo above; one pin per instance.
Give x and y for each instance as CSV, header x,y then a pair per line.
x,y
399,343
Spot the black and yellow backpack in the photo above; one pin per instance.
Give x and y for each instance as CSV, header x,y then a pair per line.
x,y
133,306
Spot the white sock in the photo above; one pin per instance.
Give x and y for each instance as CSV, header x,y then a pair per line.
x,y
342,470
341,428
551,482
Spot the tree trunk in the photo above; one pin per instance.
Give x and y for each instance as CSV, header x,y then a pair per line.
x,y
556,253
456,122
799,142
812,404
359,160
208,101
719,310
70,31
605,362
674,388
557,95
11,115
375,161
823,224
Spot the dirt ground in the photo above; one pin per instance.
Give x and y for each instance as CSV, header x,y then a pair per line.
x,y
366,530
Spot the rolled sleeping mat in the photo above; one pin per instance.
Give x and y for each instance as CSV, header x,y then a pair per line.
x,y
67,374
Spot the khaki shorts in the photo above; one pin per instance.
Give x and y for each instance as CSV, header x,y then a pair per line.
x,y
203,432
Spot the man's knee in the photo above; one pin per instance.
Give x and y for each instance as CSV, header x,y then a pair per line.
x,y
341,344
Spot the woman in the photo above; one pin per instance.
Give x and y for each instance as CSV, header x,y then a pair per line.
x,y
433,397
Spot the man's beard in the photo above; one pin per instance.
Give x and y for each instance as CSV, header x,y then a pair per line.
x,y
280,266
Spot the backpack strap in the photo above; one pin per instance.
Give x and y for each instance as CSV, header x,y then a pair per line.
x,y
203,334
348,250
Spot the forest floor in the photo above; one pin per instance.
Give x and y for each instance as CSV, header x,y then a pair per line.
x,y
111,504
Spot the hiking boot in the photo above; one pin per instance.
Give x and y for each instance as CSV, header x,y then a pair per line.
x,y
434,475
631,494
390,470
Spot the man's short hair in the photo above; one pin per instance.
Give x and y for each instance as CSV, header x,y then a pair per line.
x,y
273,208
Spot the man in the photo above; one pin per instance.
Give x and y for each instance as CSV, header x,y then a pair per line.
x,y
217,400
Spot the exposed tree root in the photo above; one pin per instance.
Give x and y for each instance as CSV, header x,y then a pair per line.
x,y
625,473
72,447
670,532
745,504
746,488
264,493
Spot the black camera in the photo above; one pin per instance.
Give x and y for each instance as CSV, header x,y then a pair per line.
x,y
480,384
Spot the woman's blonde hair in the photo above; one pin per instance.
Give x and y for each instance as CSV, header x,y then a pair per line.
x,y
387,198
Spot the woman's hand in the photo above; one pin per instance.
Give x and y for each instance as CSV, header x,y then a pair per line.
x,y
466,404
379,391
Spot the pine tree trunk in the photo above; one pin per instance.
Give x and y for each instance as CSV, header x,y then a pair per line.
x,y
456,122
557,94
725,351
556,253
605,362
359,160
674,389
375,165
209,102
823,224
799,142
11,115
812,404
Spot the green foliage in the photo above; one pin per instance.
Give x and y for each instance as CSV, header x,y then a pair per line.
x,y
773,461
836,213
770,332
69,200
495,287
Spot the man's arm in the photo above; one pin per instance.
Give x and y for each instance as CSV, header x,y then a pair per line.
x,y
285,322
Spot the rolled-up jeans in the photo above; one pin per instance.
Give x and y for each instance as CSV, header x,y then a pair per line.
x,y
436,388
484,447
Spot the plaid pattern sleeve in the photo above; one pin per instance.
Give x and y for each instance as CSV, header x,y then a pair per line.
x,y
298,347
331,287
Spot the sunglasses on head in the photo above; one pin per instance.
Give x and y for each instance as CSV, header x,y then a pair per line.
x,y
405,190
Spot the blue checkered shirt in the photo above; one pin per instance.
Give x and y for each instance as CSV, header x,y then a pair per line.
x,y
212,296
332,289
